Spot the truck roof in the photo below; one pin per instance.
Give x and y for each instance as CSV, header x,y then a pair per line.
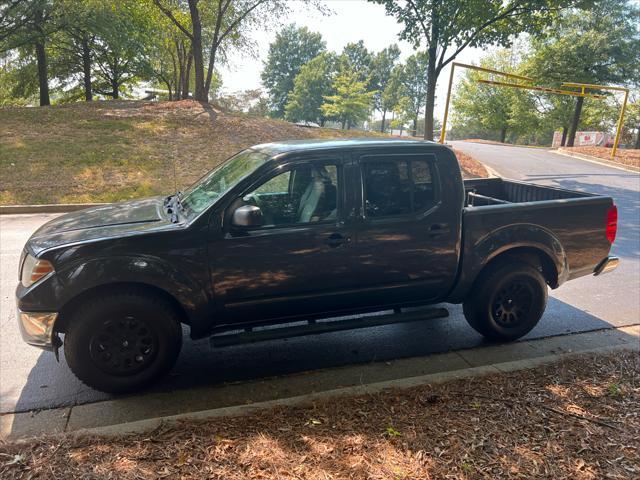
x,y
322,144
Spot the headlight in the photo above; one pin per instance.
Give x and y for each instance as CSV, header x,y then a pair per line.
x,y
33,269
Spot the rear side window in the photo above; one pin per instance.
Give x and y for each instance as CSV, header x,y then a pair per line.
x,y
397,187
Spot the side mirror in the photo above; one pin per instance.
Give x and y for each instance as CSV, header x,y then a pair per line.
x,y
247,216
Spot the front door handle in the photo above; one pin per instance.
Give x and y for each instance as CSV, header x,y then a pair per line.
x,y
438,229
336,239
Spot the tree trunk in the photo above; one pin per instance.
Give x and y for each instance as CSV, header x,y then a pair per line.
x,y
432,78
41,58
200,93
115,90
503,134
344,123
43,82
86,68
384,115
637,144
180,76
574,123
187,77
212,61
563,141
415,126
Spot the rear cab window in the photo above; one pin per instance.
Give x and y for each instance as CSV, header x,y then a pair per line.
x,y
398,185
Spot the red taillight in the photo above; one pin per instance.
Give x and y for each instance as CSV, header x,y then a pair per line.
x,y
612,223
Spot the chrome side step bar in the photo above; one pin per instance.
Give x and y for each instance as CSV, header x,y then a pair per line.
x,y
313,327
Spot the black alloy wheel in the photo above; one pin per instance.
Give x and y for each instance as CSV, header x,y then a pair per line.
x,y
123,346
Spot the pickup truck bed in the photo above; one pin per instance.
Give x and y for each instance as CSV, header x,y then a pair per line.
x,y
498,191
508,212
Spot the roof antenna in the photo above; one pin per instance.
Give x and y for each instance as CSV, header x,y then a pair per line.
x,y
173,161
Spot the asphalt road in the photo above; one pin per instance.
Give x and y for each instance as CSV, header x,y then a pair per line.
x,y
32,379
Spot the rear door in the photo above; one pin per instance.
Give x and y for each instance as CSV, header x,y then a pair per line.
x,y
407,238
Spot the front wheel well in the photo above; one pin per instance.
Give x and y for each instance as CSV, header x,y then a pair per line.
x,y
534,256
66,313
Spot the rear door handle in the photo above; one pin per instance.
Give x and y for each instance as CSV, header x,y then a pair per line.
x,y
335,240
438,229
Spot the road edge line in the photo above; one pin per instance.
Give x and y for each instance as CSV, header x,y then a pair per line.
x,y
434,378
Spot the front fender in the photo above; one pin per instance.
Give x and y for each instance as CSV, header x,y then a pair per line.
x,y
478,254
70,282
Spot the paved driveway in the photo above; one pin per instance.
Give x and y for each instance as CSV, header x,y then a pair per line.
x,y
31,379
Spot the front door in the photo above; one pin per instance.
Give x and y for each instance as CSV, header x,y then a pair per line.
x,y
406,246
298,261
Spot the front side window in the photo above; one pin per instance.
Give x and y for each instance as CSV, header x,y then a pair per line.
x,y
212,186
397,187
308,193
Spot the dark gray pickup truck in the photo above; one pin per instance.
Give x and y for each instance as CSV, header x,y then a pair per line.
x,y
283,238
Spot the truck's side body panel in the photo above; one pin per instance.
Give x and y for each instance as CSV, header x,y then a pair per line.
x,y
568,227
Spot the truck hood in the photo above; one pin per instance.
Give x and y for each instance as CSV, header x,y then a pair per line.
x,y
96,223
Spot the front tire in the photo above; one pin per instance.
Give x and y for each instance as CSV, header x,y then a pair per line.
x,y
507,300
123,341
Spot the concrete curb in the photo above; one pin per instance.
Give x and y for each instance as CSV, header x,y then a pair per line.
x,y
491,171
435,378
597,160
49,208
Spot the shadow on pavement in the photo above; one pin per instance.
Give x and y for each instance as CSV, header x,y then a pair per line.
x,y
200,366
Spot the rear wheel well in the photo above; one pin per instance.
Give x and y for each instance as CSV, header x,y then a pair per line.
x,y
534,257
66,313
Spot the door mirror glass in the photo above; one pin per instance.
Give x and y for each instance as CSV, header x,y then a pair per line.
x,y
247,216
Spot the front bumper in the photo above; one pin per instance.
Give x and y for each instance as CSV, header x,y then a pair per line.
x,y
607,265
36,329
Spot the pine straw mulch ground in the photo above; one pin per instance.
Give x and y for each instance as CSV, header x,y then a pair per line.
x,y
470,166
623,156
577,419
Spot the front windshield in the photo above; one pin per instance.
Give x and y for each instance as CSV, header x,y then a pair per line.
x,y
212,186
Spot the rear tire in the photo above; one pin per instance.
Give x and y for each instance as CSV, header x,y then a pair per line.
x,y
507,300
123,341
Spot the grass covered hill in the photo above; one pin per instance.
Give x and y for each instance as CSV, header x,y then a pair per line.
x,y
114,150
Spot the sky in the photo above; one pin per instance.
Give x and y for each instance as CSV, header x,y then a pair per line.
x,y
351,21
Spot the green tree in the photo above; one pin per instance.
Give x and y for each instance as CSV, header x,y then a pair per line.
x,y
74,43
381,73
351,102
27,25
121,52
292,48
599,45
414,85
446,28
170,57
392,94
357,58
311,86
215,25
484,107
